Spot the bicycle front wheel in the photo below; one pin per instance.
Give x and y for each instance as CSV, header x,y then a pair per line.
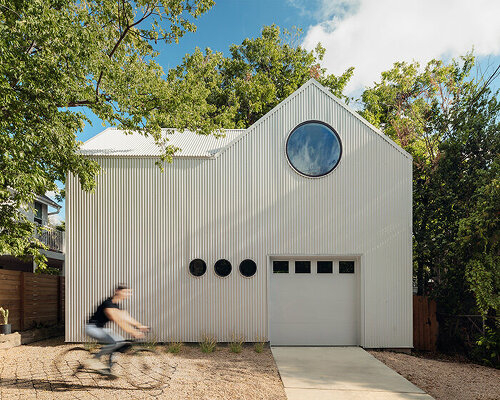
x,y
143,368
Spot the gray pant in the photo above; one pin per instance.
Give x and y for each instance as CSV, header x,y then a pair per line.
x,y
112,341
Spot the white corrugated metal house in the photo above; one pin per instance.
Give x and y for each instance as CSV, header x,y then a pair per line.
x,y
296,230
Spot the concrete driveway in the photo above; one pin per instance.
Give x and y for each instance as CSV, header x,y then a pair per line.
x,y
324,373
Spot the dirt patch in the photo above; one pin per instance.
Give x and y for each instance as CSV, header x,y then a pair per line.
x,y
26,372
445,378
225,375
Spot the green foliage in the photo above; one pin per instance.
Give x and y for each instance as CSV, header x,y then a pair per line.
x,y
150,342
92,346
59,58
259,74
208,344
61,226
413,107
483,276
236,345
259,347
174,347
4,313
479,236
489,347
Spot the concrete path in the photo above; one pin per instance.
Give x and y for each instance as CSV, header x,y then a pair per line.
x,y
348,373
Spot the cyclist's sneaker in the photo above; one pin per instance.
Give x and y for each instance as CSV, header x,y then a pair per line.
x,y
95,364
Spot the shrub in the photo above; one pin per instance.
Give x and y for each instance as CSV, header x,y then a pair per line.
x,y
208,344
5,315
150,342
259,347
92,346
174,347
236,345
489,347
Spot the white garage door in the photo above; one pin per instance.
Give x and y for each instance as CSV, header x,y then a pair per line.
x,y
314,302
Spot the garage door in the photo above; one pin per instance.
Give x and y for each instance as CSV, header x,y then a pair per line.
x,y
314,302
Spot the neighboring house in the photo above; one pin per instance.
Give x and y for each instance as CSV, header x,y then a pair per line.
x,y
51,237
296,230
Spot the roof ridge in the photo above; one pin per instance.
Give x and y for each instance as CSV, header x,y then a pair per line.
x,y
319,86
362,119
99,134
268,114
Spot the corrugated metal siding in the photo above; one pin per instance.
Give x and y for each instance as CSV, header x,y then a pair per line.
x,y
143,226
114,142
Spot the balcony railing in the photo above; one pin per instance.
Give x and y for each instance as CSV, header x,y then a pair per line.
x,y
52,238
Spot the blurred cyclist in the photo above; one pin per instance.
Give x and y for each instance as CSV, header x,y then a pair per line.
x,y
107,311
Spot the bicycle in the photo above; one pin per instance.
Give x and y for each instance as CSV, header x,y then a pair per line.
x,y
140,366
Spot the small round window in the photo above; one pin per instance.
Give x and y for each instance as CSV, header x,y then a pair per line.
x,y
313,148
222,268
248,268
197,267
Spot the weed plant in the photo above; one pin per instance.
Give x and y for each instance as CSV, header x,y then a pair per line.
x,y
236,345
259,346
174,347
208,344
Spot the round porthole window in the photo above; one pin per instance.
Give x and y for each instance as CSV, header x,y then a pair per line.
x,y
248,268
222,268
197,267
313,148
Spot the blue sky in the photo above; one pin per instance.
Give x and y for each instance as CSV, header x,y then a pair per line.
x,y
365,34
228,22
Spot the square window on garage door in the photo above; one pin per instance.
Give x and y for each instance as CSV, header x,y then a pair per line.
x,y
324,267
302,267
280,267
346,267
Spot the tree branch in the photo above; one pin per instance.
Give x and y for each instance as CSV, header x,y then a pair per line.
x,y
80,103
146,15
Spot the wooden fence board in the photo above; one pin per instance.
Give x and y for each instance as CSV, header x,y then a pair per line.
x,y
425,326
31,298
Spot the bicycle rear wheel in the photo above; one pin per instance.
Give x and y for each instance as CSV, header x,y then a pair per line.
x,y
68,365
142,368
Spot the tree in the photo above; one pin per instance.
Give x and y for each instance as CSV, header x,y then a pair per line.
x,y
468,174
60,57
449,121
259,74
415,108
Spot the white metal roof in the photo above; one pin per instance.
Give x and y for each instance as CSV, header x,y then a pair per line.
x,y
114,142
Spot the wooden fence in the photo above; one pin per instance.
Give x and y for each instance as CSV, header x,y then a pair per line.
x,y
31,298
425,325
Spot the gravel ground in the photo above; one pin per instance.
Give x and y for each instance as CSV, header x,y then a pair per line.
x,y
445,378
27,372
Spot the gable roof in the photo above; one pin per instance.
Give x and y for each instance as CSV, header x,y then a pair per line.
x,y
114,142
316,84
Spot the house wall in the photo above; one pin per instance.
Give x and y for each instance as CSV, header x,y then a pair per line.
x,y
30,214
143,227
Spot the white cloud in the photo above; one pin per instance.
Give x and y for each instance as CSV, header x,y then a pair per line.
x,y
324,9
371,35
52,194
55,219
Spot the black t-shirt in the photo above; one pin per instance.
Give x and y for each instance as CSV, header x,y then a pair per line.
x,y
100,318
